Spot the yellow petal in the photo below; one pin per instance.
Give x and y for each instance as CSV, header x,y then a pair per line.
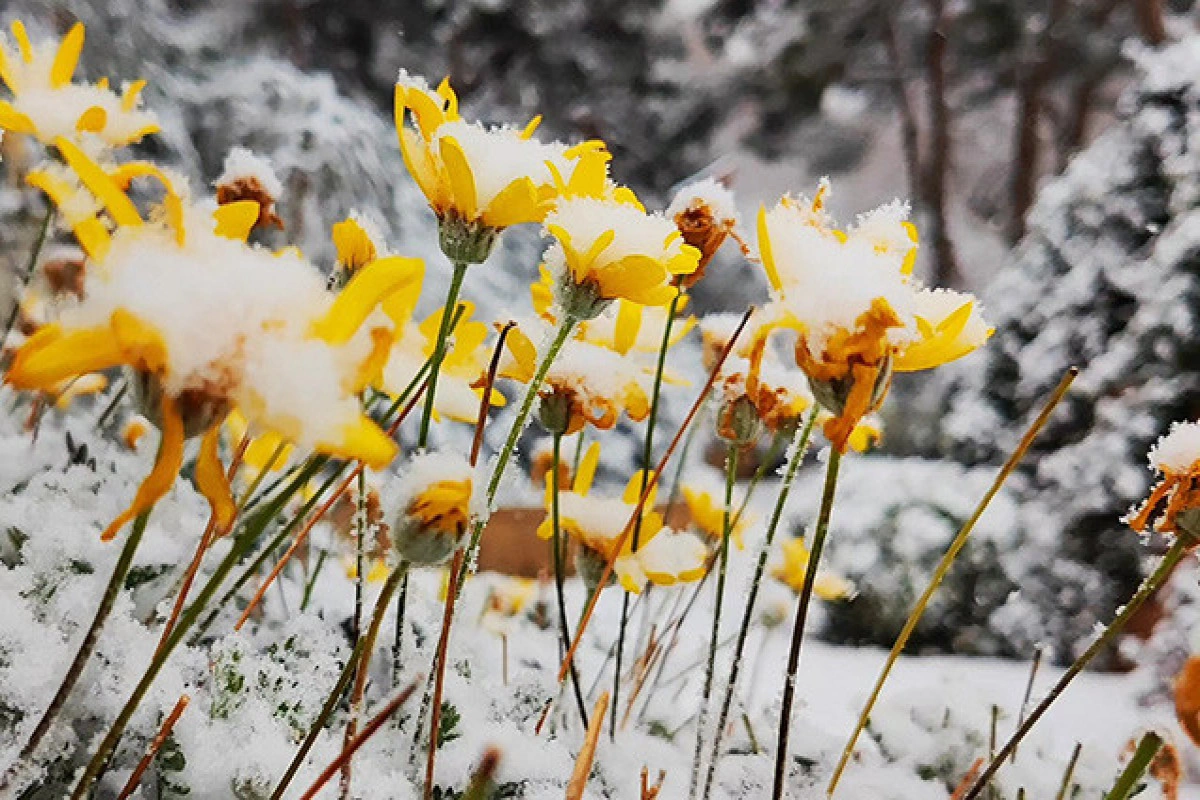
x,y
166,468
531,127
587,469
400,304
629,322
15,121
462,182
364,441
7,75
354,247
370,370
765,252
141,345
212,483
92,121
51,356
516,204
637,278
417,158
23,44
524,356
67,57
369,286
235,220
130,98
99,183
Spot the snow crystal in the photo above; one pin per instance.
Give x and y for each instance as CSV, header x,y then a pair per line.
x,y
1177,451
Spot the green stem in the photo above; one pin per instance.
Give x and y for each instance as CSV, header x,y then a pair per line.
x,y
731,461
360,532
1147,749
398,638
810,578
799,449
361,648
112,406
1179,548
439,349
647,454
556,544
87,646
30,267
312,580
1069,773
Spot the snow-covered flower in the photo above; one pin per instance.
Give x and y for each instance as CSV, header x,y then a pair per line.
x,y
1174,502
205,323
586,383
705,212
791,570
479,180
433,506
46,104
857,313
608,247
250,177
597,522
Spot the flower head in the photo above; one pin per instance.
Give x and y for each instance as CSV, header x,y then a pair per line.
x,y
434,505
478,180
47,105
791,571
608,247
207,323
250,177
586,383
857,313
597,523
706,214
706,507
1174,502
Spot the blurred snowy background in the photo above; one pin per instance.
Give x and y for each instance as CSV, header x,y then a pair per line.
x,y
1047,147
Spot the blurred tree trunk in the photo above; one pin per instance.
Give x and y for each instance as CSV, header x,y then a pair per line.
x,y
909,132
1030,101
945,266
1149,16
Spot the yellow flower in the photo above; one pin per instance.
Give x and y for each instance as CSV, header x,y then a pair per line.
x,y
586,383
707,510
478,180
47,105
205,323
792,569
1174,500
857,313
597,522
608,249
434,497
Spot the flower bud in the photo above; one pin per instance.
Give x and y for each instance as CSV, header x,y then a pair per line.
x,y
465,242
199,408
834,393
738,421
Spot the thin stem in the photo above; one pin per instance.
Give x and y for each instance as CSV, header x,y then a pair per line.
x,y
374,725
1069,773
30,267
360,556
810,578
647,455
1146,750
112,405
947,561
799,449
565,327
335,696
590,607
86,646
731,461
1033,671
439,348
398,639
556,545
435,718
1179,548
156,745
312,580
364,667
